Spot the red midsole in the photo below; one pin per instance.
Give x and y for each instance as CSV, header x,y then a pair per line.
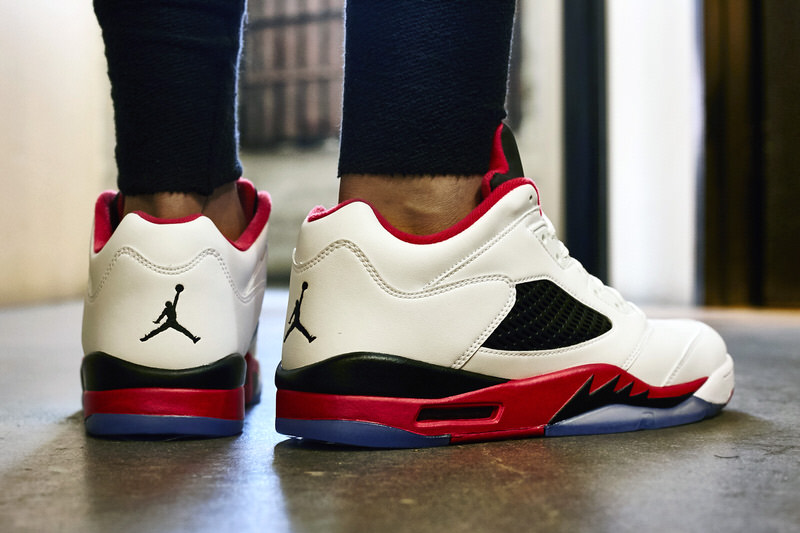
x,y
521,407
224,404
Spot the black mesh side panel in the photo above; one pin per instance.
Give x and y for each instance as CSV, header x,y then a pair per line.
x,y
545,317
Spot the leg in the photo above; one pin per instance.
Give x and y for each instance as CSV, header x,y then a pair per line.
x,y
424,91
173,70
186,332
160,329
305,332
292,326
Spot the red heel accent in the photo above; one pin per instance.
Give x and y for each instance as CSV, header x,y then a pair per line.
x,y
207,403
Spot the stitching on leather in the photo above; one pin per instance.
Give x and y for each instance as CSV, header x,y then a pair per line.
x,y
174,270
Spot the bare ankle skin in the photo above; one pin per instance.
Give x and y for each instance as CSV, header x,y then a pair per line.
x,y
222,207
420,205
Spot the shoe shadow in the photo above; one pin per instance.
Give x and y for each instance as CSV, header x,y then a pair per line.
x,y
532,484
74,482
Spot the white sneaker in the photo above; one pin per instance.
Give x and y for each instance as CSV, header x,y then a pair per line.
x,y
170,318
488,330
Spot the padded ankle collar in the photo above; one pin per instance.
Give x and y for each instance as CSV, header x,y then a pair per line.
x,y
257,206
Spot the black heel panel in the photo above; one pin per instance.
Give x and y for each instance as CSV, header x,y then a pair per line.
x,y
372,374
101,371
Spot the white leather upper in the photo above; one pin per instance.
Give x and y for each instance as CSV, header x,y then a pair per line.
x,y
133,276
370,291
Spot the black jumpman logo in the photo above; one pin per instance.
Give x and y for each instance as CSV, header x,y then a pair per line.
x,y
294,320
171,321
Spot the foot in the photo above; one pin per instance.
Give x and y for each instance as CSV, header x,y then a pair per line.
x,y
223,207
487,330
420,205
138,380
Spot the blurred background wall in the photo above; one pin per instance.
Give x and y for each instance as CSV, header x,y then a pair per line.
x,y
655,146
56,142
689,87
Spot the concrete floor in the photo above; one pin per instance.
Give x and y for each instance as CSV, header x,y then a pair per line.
x,y
737,472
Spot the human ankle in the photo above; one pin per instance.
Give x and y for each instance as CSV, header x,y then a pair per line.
x,y
222,206
420,205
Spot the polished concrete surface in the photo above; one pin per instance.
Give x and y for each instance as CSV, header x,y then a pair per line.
x,y
737,472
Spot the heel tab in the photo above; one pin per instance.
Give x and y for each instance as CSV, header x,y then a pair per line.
x,y
505,163
107,216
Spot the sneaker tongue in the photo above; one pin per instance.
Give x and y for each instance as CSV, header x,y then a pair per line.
x,y
506,163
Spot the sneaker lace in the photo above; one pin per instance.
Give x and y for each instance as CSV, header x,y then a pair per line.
x,y
546,233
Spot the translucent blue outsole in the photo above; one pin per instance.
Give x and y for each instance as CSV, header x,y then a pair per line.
x,y
622,418
109,425
353,433
609,419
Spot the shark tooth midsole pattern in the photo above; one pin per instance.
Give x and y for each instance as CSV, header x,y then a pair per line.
x,y
524,407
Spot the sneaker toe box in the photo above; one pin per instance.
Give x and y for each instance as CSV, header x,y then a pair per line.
x,y
680,351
